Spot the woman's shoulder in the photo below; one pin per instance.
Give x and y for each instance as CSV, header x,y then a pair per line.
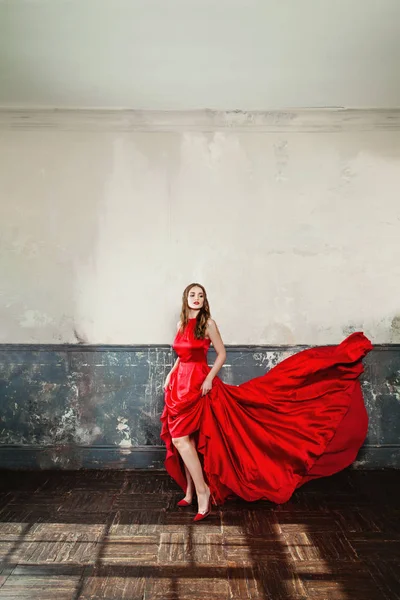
x,y
212,331
211,324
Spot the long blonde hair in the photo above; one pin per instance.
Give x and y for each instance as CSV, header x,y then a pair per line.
x,y
202,317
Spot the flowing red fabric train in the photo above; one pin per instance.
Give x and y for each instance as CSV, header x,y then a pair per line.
x,y
303,419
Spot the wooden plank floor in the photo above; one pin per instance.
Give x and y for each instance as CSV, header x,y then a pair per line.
x,y
119,535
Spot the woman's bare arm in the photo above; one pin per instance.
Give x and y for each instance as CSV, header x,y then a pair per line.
x,y
215,337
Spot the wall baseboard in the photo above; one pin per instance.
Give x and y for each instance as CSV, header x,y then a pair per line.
x,y
74,457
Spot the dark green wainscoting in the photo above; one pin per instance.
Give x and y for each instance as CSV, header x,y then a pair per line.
x,y
73,407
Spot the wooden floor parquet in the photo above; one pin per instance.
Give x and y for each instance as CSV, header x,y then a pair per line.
x,y
102,535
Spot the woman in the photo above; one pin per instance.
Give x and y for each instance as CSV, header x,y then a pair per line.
x,y
303,419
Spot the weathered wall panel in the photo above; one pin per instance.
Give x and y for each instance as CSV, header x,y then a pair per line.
x,y
99,407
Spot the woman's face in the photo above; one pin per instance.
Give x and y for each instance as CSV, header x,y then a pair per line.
x,y
195,298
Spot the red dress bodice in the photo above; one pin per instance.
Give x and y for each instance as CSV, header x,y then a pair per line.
x,y
188,347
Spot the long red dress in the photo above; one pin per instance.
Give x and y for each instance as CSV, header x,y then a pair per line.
x,y
303,419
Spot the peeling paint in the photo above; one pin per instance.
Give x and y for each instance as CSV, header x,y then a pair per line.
x,y
125,430
125,443
267,360
351,328
86,436
395,329
393,385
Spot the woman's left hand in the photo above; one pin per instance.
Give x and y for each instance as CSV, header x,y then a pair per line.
x,y
207,386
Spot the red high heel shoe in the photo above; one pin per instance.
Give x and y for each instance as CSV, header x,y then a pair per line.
x,y
201,516
183,503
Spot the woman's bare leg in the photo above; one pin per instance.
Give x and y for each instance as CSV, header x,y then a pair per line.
x,y
189,481
189,487
187,450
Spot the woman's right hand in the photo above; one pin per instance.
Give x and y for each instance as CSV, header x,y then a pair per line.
x,y
167,385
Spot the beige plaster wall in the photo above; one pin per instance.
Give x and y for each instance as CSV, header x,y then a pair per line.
x,y
291,220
